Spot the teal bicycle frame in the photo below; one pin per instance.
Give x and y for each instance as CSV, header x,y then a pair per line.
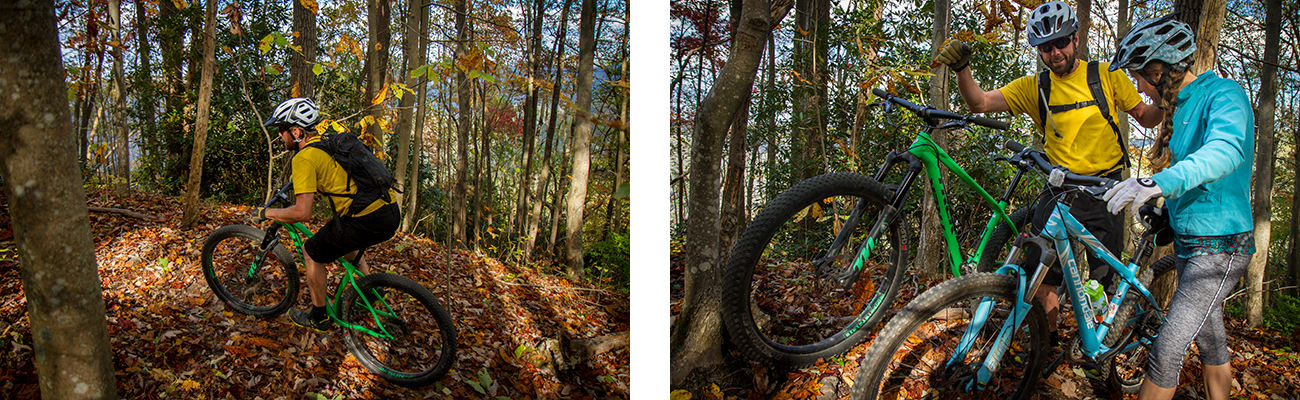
x,y
299,233
1055,241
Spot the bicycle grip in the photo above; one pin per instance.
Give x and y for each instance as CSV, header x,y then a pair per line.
x,y
990,122
881,93
1013,146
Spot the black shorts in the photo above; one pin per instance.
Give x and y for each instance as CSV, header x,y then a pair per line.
x,y
343,235
1090,212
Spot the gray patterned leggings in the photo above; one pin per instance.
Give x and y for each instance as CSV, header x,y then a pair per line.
x,y
1196,313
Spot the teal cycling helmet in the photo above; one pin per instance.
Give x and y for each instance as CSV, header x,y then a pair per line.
x,y
1050,21
1162,39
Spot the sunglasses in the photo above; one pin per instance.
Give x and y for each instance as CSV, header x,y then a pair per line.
x,y
1057,44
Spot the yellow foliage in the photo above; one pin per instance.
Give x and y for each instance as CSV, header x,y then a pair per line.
x,y
680,395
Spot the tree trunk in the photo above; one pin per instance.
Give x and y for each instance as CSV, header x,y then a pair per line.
x,y
697,336
146,89
581,144
1206,19
413,188
932,250
405,120
205,108
1264,154
462,129
301,62
1083,11
65,306
530,118
534,218
122,147
379,15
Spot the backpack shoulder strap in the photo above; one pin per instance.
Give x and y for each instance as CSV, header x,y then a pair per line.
x,y
1099,95
1044,94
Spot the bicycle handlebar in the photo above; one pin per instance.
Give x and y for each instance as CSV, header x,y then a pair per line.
x,y
282,196
1095,186
930,113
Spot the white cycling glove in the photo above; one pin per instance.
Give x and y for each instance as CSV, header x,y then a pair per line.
x,y
1132,192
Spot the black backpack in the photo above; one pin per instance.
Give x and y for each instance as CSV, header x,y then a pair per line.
x,y
1098,99
372,178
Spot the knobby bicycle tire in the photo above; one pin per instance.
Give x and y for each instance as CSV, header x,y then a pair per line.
x,y
764,273
1126,371
995,252
424,346
908,358
228,254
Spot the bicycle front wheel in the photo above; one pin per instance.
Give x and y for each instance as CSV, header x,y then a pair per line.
x,y
1138,322
245,278
924,352
408,339
786,302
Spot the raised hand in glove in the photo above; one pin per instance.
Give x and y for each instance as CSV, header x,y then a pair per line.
x,y
1132,193
955,54
259,216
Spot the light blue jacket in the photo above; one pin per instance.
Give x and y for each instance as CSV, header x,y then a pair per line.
x,y
1208,187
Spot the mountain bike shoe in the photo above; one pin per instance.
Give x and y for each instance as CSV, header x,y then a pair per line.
x,y
303,319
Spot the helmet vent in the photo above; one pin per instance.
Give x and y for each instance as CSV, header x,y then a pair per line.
x,y
1164,29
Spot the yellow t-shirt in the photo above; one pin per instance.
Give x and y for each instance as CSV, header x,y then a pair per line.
x,y
1087,145
314,171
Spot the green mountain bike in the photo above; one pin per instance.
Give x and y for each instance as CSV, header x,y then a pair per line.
x,y
395,327
821,264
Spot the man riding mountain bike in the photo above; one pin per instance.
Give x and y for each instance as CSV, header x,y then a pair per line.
x,y
1072,101
350,232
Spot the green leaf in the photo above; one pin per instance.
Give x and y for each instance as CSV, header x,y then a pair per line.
x,y
163,262
317,69
424,69
476,387
519,351
271,69
265,45
317,396
623,191
280,40
483,378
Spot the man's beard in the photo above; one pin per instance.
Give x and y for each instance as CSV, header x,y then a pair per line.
x,y
1064,68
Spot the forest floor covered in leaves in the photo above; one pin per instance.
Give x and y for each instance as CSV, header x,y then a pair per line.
x,y
172,338
1266,366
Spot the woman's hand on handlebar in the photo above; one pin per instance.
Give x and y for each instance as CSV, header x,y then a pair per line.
x,y
1132,193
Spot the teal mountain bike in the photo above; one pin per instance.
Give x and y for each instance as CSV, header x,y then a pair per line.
x,y
395,327
983,335
820,266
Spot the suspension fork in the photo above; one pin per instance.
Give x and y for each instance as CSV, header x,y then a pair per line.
x,y
269,241
847,277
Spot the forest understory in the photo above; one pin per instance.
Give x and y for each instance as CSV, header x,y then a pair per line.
x,y
172,338
1266,366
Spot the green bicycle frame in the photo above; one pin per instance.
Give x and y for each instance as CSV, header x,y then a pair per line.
x,y
925,155
299,234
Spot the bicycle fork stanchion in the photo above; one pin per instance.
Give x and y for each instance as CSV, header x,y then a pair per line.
x,y
846,278
268,243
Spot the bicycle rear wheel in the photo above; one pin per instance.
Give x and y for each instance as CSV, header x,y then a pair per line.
x,y
781,300
910,357
422,346
266,289
1140,321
